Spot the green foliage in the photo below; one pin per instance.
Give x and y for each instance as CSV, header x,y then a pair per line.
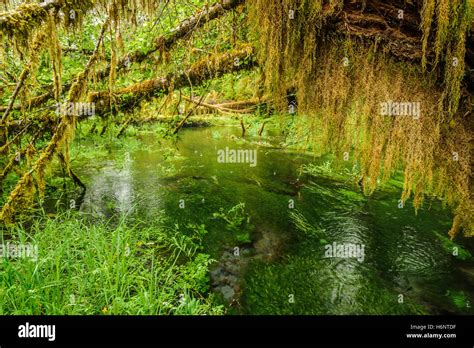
x,y
238,221
96,268
235,216
454,248
305,228
458,298
317,170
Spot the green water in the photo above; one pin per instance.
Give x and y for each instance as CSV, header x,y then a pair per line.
x,y
280,266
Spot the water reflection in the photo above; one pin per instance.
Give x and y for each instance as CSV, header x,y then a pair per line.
x,y
110,191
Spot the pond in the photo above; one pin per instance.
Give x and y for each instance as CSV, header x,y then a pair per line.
x,y
284,241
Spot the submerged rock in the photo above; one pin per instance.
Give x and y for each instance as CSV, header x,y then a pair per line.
x,y
268,246
227,292
225,278
227,275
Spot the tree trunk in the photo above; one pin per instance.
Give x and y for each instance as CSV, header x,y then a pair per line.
x,y
398,32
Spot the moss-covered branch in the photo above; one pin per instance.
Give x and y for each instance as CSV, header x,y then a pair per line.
x,y
207,68
26,17
165,43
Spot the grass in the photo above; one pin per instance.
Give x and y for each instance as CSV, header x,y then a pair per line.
x,y
96,268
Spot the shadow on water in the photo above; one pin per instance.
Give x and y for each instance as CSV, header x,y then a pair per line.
x,y
315,245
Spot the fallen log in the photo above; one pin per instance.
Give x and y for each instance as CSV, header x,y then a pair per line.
x,y
218,107
205,69
243,103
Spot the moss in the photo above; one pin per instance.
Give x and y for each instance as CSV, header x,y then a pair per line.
x,y
56,55
204,69
339,103
19,24
23,193
427,14
451,247
449,20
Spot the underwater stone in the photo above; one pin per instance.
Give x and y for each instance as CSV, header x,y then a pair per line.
x,y
227,292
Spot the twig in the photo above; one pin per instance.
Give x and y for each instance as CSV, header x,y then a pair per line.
x,y
181,124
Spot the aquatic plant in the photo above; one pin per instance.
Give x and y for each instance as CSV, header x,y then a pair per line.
x,y
458,298
238,221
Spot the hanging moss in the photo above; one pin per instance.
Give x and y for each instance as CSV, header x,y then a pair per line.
x,y
19,24
288,33
449,20
341,82
22,194
427,14
55,53
391,143
28,73
20,197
